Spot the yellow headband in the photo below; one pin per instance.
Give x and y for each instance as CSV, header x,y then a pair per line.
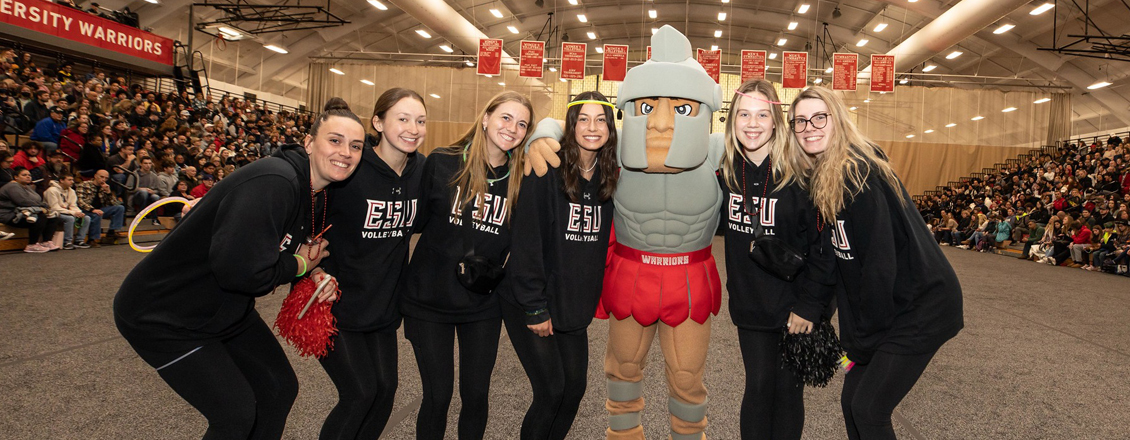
x,y
590,101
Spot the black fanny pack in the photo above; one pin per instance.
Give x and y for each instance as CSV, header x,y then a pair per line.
x,y
476,272
774,254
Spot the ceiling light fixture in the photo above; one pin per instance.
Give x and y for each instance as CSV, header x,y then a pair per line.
x,y
276,48
573,2
1041,100
1004,28
904,81
782,41
713,47
599,49
378,5
366,82
853,108
865,101
721,16
1010,109
829,69
862,42
977,118
929,131
910,136
954,54
512,29
718,33
802,9
1042,9
335,70
502,84
879,27
773,56
651,13
495,12
1098,85
581,18
592,35
654,30
929,68
423,33
793,25
552,69
818,80
434,95
469,63
951,125
446,48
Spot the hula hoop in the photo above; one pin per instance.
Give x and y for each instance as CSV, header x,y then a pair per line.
x,y
141,216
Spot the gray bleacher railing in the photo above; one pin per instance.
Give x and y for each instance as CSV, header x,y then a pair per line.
x,y
167,85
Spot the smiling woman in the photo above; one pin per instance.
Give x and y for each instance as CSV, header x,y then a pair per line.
x,y
188,308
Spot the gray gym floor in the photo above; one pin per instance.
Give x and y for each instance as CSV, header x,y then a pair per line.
x,y
1045,354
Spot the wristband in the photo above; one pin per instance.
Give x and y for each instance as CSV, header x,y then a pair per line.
x,y
537,312
303,260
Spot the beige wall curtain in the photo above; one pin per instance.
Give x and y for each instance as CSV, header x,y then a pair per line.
x,y
1059,118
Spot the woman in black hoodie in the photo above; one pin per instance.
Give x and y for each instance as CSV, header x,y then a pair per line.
x,y
561,229
761,184
188,308
899,300
373,214
475,181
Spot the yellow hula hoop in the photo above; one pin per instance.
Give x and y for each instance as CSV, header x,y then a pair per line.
x,y
141,216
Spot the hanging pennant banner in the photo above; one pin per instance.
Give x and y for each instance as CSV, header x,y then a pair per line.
x,y
794,70
615,62
490,56
845,68
882,73
648,53
753,65
573,60
532,59
711,60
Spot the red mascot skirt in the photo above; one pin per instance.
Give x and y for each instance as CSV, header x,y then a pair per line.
x,y
667,287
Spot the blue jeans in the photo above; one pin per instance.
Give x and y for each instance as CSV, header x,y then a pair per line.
x,y
116,214
87,224
119,190
68,227
142,199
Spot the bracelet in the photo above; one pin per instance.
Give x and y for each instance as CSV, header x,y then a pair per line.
x,y
303,260
537,312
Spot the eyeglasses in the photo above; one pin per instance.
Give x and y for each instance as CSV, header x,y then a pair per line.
x,y
818,121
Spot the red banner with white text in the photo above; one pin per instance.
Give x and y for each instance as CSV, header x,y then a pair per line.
x,y
573,60
615,62
753,65
794,70
845,68
75,25
490,56
532,59
711,60
882,73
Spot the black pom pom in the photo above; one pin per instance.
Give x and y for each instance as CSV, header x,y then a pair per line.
x,y
814,356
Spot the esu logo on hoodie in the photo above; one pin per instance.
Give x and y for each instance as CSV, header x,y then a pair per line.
x,y
389,218
840,242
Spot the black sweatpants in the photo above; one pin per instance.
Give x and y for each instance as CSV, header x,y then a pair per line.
x,y
872,391
363,368
434,346
244,386
557,366
40,231
773,404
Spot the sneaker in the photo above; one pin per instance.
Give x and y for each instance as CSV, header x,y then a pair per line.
x,y
81,246
50,245
6,235
68,246
35,249
94,243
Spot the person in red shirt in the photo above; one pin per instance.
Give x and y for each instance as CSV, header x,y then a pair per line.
x,y
1080,241
30,156
205,184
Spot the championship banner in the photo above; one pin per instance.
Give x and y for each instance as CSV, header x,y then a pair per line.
x,y
490,56
648,53
615,62
78,26
573,60
711,60
794,70
753,65
845,68
882,73
531,60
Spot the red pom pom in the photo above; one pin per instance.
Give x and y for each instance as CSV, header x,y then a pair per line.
x,y
313,334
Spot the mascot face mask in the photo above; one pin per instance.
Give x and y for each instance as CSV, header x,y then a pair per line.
x,y
665,130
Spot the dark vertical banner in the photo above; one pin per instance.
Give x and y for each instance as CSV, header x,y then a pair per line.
x,y
711,60
573,60
490,56
532,59
794,70
753,65
615,62
882,73
845,68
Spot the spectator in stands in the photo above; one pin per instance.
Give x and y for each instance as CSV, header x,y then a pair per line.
x,y
63,201
1080,240
167,179
38,108
188,174
1037,237
205,185
55,168
146,185
6,171
98,202
22,207
1107,240
30,157
73,138
48,130
121,165
182,190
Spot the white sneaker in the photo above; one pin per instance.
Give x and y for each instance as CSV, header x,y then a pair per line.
x,y
35,249
6,235
49,245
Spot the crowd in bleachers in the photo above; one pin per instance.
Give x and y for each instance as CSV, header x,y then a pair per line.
x,y
1067,207
94,146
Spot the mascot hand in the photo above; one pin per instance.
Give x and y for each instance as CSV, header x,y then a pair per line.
x,y
542,155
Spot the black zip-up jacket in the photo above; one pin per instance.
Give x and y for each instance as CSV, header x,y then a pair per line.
x,y
199,285
429,289
897,292
372,214
556,267
758,299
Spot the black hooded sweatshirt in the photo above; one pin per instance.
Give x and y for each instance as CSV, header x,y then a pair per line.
x,y
760,300
430,290
372,214
557,260
199,285
897,291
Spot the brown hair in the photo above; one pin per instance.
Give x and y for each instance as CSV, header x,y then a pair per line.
x,y
334,107
571,152
388,99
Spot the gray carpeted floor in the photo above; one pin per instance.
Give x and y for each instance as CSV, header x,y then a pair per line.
x,y
1044,355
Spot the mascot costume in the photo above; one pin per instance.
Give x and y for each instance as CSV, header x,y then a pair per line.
x,y
661,277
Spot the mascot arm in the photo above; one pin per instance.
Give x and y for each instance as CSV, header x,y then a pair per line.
x,y
717,149
542,148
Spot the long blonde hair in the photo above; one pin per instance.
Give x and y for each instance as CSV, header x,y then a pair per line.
x,y
778,143
846,163
472,175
